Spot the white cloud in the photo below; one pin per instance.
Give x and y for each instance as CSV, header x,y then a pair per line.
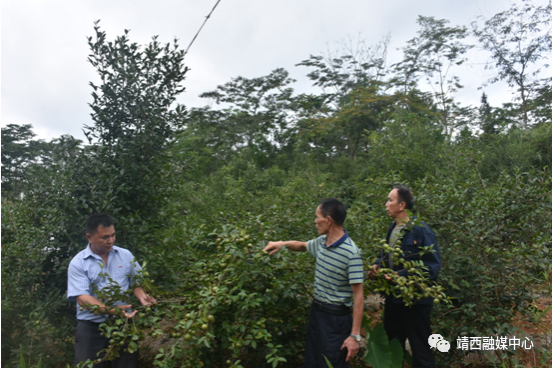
x,y
45,73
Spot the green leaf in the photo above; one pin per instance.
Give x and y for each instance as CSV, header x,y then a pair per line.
x,y
397,354
379,352
132,347
328,362
22,361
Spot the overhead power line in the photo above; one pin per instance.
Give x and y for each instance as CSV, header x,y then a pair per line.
x,y
200,28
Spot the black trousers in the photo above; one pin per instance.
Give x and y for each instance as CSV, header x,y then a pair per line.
x,y
89,342
402,322
325,334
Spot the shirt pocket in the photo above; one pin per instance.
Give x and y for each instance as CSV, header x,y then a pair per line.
x,y
410,247
124,274
120,274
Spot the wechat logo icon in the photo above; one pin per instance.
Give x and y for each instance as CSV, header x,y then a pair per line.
x,y
437,341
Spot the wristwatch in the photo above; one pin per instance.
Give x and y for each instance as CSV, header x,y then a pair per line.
x,y
356,337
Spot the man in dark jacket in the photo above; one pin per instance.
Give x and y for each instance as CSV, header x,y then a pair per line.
x,y
401,321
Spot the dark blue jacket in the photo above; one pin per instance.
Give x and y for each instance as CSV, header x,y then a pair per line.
x,y
413,238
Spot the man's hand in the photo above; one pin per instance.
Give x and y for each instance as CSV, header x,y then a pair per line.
x,y
88,302
352,347
273,247
373,272
144,298
123,310
389,278
147,299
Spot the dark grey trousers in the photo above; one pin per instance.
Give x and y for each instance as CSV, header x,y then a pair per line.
x,y
402,322
325,335
89,342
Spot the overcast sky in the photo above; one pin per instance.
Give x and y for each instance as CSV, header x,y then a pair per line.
x,y
45,73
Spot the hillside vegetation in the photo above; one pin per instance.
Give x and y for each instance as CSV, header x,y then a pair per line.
x,y
197,192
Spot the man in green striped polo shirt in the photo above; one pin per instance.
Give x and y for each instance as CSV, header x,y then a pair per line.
x,y
338,305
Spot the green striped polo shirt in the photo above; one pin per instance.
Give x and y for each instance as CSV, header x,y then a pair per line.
x,y
337,267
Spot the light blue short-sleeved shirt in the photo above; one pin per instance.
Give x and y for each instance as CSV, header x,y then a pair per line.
x,y
84,271
337,267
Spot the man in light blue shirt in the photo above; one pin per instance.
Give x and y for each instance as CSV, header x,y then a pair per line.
x,y
86,273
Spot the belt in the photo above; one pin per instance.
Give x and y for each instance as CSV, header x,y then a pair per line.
x,y
92,323
339,310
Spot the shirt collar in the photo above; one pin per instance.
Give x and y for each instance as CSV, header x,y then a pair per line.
x,y
408,225
339,241
88,252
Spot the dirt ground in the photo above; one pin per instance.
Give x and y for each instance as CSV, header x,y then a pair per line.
x,y
539,330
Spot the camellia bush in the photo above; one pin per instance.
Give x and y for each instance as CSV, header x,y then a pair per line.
x,y
234,306
494,238
495,242
223,301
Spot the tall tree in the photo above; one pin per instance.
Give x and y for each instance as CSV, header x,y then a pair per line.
x,y
355,65
519,41
541,104
485,116
364,111
433,53
135,116
19,150
353,100
256,115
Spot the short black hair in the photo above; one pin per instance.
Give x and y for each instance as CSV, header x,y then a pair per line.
x,y
97,220
335,209
405,195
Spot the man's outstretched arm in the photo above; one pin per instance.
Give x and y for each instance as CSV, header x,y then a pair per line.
x,y
296,246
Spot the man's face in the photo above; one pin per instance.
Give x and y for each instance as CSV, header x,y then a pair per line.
x,y
393,207
101,242
322,223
